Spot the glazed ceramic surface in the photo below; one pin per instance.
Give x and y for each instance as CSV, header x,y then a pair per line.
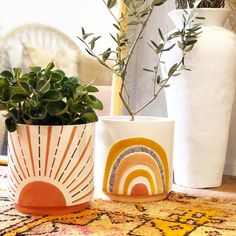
x,y
201,101
134,158
51,168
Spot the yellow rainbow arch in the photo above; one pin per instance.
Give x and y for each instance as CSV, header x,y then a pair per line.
x,y
134,165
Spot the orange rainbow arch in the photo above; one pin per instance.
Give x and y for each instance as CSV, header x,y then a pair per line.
x,y
136,166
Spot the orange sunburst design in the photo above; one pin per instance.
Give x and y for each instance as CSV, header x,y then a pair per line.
x,y
22,153
30,148
80,158
66,150
133,163
49,146
17,158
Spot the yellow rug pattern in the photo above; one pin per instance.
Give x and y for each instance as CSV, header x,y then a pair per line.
x,y
178,215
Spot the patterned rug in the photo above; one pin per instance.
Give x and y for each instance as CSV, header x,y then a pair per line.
x,y
178,215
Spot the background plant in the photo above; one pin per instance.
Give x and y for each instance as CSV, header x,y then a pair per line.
x,y
137,17
46,97
183,4
232,4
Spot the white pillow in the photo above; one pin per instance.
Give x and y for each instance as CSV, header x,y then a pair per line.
x,y
26,55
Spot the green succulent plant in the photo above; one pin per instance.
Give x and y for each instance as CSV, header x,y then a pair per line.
x,y
46,96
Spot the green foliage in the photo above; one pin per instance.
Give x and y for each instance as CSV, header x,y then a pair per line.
x,y
182,4
136,19
46,97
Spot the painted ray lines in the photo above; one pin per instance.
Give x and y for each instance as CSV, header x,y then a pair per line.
x,y
11,189
39,150
90,192
11,181
82,181
73,155
16,156
55,154
66,150
11,195
16,170
81,190
80,172
22,153
30,148
49,134
80,158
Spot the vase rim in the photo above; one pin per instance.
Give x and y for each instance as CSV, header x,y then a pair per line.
x,y
212,16
201,9
137,119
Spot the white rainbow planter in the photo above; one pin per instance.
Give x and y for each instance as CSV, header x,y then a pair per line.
x,y
134,158
51,168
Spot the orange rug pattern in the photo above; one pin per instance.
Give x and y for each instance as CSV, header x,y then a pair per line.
x,y
178,215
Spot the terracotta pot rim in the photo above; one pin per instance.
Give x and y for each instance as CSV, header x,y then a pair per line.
x,y
18,124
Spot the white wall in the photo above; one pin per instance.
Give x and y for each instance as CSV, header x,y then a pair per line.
x,y
67,15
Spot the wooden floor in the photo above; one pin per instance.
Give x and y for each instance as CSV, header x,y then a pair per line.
x,y
226,190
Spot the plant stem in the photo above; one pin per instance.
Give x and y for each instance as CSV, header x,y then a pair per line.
x,y
128,60
117,21
159,90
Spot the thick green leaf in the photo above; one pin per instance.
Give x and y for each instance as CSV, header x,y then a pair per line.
x,y
91,89
89,117
56,76
6,74
43,85
78,107
97,104
10,124
18,97
3,85
75,80
25,87
49,67
6,95
57,108
36,69
38,113
51,95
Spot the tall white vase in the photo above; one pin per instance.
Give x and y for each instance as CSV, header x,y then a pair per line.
x,y
201,101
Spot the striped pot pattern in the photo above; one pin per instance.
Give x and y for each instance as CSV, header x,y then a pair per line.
x,y
51,168
136,157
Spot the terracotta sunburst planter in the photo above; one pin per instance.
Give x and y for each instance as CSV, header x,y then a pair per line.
x,y
51,168
134,158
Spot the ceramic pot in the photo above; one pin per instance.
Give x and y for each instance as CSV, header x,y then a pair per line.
x,y
201,101
51,168
134,158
